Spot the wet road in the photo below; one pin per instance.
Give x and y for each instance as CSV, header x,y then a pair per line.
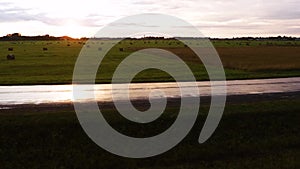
x,y
36,94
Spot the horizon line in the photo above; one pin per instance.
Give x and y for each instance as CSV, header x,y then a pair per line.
x,y
94,37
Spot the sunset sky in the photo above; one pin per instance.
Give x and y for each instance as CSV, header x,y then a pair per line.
x,y
220,18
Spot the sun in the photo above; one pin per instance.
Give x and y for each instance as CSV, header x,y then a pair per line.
x,y
76,28
72,28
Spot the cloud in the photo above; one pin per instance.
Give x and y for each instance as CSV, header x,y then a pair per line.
x,y
16,14
144,2
242,16
10,13
282,10
3,4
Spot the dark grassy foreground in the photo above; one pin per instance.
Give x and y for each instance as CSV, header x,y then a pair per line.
x,y
258,132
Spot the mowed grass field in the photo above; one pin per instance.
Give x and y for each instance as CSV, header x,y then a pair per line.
x,y
241,59
260,134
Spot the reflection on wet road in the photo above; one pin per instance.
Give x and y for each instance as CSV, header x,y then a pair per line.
x,y
36,94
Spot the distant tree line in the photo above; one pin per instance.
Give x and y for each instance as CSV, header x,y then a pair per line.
x,y
18,36
279,38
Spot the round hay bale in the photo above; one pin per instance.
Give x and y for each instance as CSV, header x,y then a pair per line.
x,y
10,57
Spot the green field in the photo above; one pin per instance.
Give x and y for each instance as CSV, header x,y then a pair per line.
x,y
241,59
260,134
253,133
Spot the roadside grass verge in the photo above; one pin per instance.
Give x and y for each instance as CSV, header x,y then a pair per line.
x,y
255,134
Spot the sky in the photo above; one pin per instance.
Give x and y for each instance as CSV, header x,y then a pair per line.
x,y
218,18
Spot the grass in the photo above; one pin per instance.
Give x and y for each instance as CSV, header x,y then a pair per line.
x,y
255,134
251,134
241,59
